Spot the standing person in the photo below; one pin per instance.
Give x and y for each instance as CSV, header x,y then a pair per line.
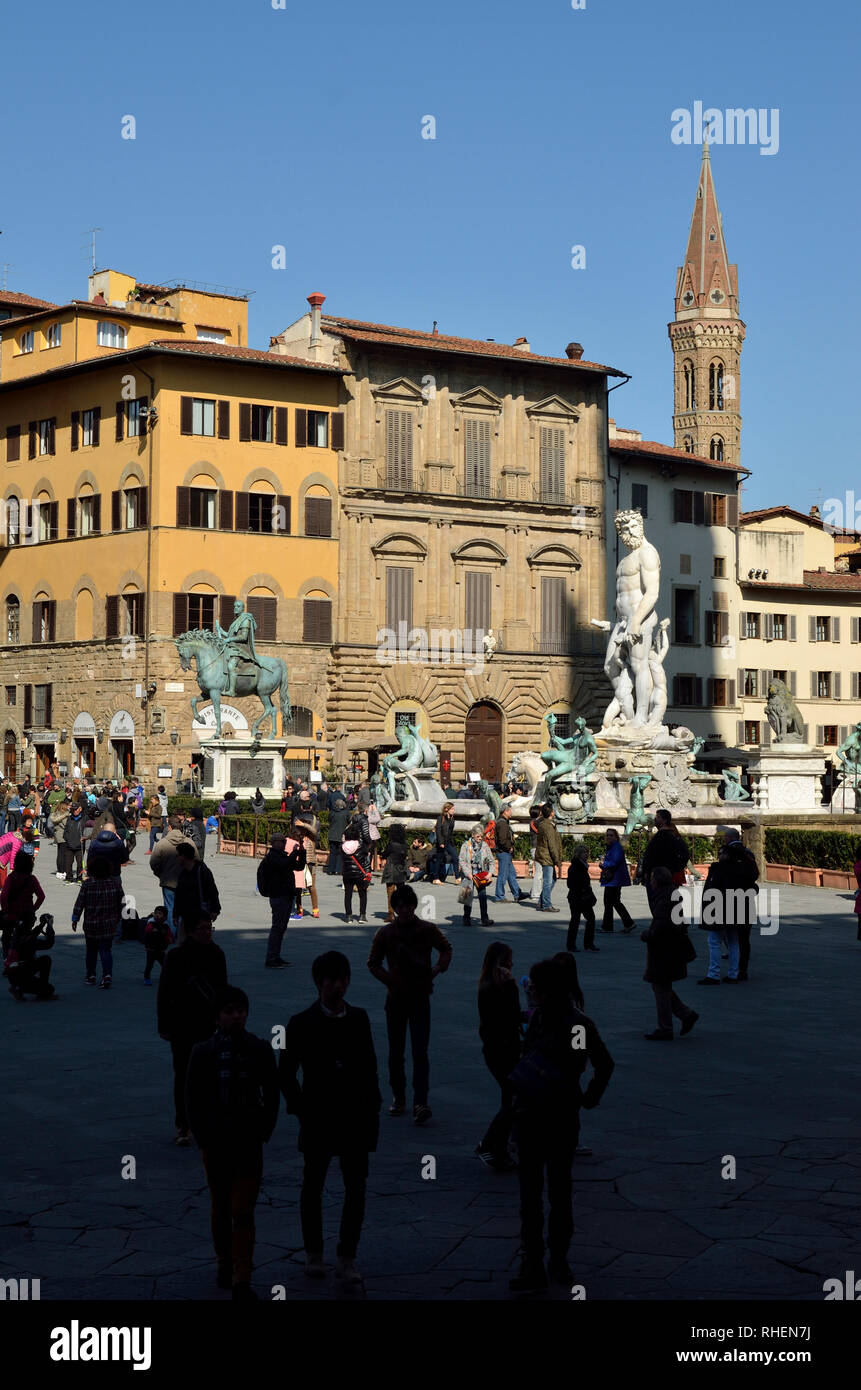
x,y
258,802
13,809
730,905
193,977
196,894
505,860
162,796
232,1107
60,812
108,845
444,838
164,863
401,958
581,900
356,857
306,829
277,875
669,951
338,819
615,877
73,841
372,813
195,831
547,1104
22,894
156,822
548,853
666,850
476,867
100,900
740,874
338,1104
395,872
499,1030
156,940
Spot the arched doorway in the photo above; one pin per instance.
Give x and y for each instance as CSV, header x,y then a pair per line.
x,y
483,741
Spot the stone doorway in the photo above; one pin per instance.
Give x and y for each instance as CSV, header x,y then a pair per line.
x,y
483,742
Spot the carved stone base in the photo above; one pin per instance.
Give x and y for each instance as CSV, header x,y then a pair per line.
x,y
242,763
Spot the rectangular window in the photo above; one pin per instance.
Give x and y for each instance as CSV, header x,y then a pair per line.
x,y
399,597
750,683
133,419
86,516
685,625
830,735
261,509
202,507
555,619
781,676
823,685
399,448
25,342
477,607
719,570
318,516
88,421
132,508
717,628
720,692
640,498
751,624
41,706
111,335
684,564
778,627
683,506
201,611
203,417
261,423
211,335
46,436
685,690
11,694
822,631
751,731
42,521
476,441
131,615
318,429
317,620
13,443
716,508
551,465
52,335
44,613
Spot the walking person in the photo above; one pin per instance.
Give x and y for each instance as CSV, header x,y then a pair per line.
x,y
581,900
547,1103
615,877
740,874
164,863
729,904
444,840
196,894
73,841
231,1094
338,1104
499,1028
306,829
277,876
476,868
338,819
356,871
156,940
666,849
395,872
670,951
192,979
401,958
100,902
505,860
156,822
548,853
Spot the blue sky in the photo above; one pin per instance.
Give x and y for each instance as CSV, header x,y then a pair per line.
x,y
302,127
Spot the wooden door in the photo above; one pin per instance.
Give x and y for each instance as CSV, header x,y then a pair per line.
x,y
10,757
483,742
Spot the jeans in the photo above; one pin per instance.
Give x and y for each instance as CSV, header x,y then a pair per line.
x,y
348,898
481,894
413,1014
548,878
2,822
155,834
506,874
169,894
234,1178
449,856
498,1132
669,1003
354,1171
715,945
588,914
281,909
541,1146
613,903
99,947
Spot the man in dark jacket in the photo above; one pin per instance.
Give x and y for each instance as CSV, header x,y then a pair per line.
x,y
338,819
338,1105
196,892
401,958
665,850
73,839
108,846
729,908
276,881
505,858
192,977
232,1105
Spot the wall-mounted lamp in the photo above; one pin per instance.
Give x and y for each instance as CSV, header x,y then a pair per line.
x,y
174,736
100,734
319,735
64,734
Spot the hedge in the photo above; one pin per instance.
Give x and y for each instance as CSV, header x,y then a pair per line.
x,y
812,849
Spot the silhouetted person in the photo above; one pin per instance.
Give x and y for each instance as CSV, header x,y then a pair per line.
x,y
667,850
192,979
500,1033
581,900
276,880
667,959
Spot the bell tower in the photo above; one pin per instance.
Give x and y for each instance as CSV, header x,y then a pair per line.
x,y
707,336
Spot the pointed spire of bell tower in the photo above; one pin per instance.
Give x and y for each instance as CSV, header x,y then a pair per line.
x,y
707,334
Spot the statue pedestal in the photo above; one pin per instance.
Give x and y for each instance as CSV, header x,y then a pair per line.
x,y
422,786
786,778
843,800
231,765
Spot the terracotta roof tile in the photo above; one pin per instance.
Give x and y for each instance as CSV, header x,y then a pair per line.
x,y
781,510
238,354
25,301
653,448
832,579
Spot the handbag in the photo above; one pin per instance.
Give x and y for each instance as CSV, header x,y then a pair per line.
x,y
464,894
536,1081
309,877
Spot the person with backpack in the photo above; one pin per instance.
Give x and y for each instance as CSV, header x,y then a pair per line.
x,y
196,893
356,870
667,850
338,818
279,875
108,845
193,977
730,908
615,877
395,855
100,900
73,841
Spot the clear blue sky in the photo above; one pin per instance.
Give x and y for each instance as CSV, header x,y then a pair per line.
x,y
302,126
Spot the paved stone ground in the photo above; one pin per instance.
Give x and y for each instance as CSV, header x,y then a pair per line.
x,y
769,1075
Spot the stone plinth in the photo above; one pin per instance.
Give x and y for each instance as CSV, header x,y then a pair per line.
x,y
240,764
788,777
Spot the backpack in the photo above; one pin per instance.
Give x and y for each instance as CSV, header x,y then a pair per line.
x,y
681,853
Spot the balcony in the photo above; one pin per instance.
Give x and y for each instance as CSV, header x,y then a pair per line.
x,y
153,311
438,479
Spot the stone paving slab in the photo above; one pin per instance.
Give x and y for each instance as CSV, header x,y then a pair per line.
x,y
768,1076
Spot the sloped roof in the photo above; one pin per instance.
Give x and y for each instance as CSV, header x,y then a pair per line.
x,y
652,449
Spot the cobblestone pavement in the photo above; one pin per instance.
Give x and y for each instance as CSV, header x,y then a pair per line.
x,y
769,1075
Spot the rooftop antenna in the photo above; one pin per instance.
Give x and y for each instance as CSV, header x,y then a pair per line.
x,y
5,267
92,248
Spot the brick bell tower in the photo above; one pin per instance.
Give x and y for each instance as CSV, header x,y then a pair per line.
x,y
707,336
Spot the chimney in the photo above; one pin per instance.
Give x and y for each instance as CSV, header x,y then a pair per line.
x,y
574,352
522,344
316,301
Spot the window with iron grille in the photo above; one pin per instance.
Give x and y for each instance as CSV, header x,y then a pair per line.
x,y
640,498
404,717
11,694
301,723
563,725
13,621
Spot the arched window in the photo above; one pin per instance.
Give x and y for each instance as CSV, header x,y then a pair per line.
x,y
84,605
690,386
716,386
111,335
13,620
689,444
13,521
716,448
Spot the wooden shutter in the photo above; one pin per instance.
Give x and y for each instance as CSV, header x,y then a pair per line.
x,y
75,423
740,674
732,510
399,448
842,733
806,731
477,602
116,519
112,615
551,461
731,692
49,705
739,732
31,431
300,427
225,511
71,517
143,506
699,509
742,624
37,622
675,692
399,597
186,414
317,620
820,734
477,459
768,620
710,691
792,627
52,436
336,428
53,521
13,443
143,407
180,614
835,685
318,516
554,614
244,422
119,413
97,425
854,625
814,685
835,629
242,505
811,628
224,419
709,508
764,678
225,604
791,682
97,513
284,503
854,685
264,611
28,705
280,424
698,691
183,507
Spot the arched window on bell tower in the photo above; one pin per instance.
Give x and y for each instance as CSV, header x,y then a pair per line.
x,y
690,386
689,444
716,386
716,448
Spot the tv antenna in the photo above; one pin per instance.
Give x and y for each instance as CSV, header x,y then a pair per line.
x,y
91,247
5,267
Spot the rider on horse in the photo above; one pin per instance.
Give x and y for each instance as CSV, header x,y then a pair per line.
x,y
238,643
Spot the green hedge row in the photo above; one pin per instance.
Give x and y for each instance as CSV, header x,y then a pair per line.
x,y
812,849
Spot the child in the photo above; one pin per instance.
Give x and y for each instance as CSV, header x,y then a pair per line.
x,y
28,972
157,937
